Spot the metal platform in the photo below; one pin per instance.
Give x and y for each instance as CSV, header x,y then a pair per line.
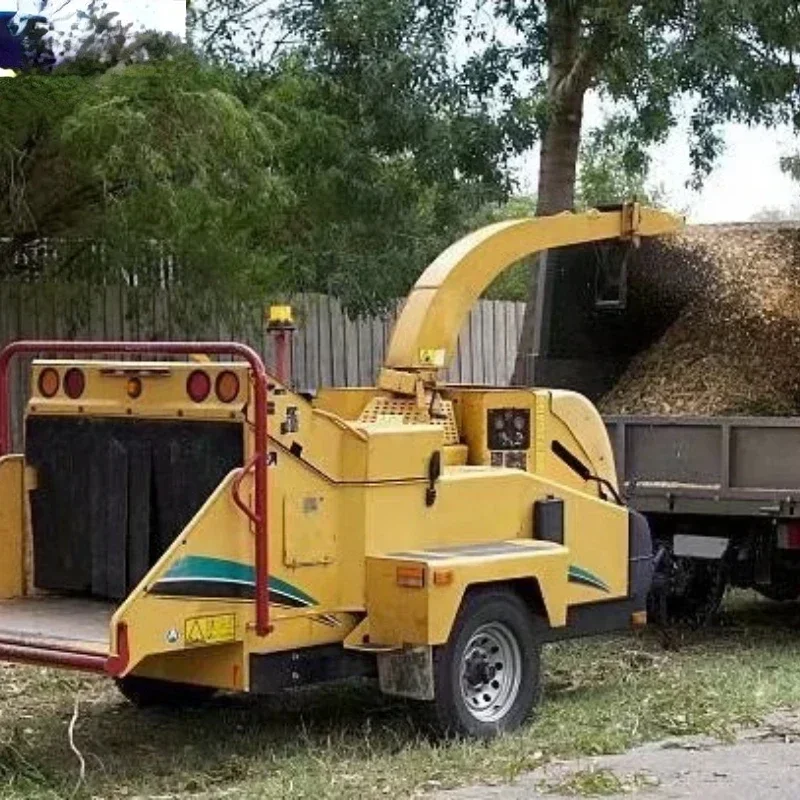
x,y
58,623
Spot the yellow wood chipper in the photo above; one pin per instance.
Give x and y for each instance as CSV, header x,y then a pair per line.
x,y
185,527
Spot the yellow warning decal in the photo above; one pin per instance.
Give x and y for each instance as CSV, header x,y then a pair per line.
x,y
434,358
216,629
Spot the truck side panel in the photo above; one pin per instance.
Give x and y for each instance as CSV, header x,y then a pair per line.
x,y
718,466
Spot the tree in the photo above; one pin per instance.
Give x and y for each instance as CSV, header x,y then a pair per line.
x,y
414,153
777,214
161,153
606,176
250,182
729,60
241,33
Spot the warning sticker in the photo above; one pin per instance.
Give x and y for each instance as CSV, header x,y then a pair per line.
x,y
433,357
216,629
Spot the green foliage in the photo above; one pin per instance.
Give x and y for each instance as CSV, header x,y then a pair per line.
x,y
251,183
343,164
731,60
154,153
790,165
607,174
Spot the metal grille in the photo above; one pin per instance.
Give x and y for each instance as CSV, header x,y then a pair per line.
x,y
408,413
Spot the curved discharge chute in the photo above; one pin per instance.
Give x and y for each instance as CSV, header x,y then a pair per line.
x,y
427,329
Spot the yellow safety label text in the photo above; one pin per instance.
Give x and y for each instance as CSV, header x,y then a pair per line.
x,y
216,629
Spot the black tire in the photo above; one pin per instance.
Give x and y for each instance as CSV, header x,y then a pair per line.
x,y
783,588
686,591
497,613
154,693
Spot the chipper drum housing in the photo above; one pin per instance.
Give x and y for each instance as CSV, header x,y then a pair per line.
x,y
186,527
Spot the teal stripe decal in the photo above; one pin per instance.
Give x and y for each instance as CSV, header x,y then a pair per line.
x,y
205,568
581,575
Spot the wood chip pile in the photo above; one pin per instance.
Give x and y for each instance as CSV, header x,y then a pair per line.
x,y
734,346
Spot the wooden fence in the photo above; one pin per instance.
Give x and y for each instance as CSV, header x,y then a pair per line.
x,y
329,349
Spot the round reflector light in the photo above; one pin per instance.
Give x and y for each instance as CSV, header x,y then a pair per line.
x,y
74,383
227,386
134,387
198,386
48,382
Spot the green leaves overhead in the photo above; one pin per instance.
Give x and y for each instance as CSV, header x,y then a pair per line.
x,y
727,60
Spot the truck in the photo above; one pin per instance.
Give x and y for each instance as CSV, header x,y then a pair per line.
x,y
721,494
189,526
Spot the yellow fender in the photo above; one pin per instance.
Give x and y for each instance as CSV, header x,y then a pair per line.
x,y
413,598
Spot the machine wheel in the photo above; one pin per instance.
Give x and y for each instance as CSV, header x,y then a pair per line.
x,y
686,590
780,593
487,677
783,587
152,692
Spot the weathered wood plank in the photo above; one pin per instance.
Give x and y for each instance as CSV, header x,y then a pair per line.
x,y
338,348
475,337
351,351
325,342
312,344
487,341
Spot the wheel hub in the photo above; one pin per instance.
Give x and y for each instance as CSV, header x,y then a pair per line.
x,y
491,672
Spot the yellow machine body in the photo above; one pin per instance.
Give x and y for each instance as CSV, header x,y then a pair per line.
x,y
386,505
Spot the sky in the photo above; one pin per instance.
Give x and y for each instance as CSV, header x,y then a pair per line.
x,y
747,178
163,15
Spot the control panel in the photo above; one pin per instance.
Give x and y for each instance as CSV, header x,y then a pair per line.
x,y
508,434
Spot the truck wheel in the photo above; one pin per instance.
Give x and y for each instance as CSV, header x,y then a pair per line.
x,y
779,593
487,677
152,692
783,587
690,590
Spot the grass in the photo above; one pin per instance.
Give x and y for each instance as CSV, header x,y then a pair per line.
x,y
598,783
601,696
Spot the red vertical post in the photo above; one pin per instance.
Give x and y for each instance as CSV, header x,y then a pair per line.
x,y
281,326
282,355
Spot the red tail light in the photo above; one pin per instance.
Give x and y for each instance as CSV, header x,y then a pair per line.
x,y
48,382
74,383
227,386
198,386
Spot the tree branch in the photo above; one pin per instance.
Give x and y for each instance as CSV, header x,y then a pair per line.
x,y
237,16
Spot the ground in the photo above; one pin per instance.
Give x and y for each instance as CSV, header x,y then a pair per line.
x,y
601,696
763,762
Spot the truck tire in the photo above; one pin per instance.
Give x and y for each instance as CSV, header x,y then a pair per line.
x,y
779,593
784,586
152,692
487,677
687,591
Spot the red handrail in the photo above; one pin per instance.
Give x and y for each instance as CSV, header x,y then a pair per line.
x,y
259,459
236,489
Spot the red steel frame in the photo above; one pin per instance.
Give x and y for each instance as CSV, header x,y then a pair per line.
x,y
258,462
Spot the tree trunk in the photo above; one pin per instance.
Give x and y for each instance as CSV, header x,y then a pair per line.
x,y
567,81
559,157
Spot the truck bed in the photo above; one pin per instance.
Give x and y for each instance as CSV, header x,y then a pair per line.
x,y
709,465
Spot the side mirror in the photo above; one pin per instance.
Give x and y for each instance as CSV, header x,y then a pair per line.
x,y
434,473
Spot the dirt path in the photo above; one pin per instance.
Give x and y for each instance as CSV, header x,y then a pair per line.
x,y
763,763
